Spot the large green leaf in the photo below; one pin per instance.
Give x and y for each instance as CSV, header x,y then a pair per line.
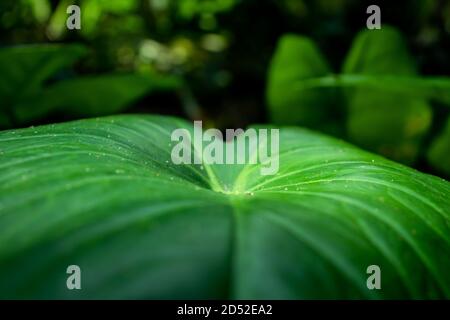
x,y
103,194
388,123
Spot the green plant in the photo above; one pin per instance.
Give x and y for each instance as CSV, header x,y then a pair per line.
x,y
103,194
384,102
438,154
25,94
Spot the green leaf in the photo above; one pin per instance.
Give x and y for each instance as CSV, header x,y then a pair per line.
x,y
297,59
94,10
380,52
99,95
439,152
103,194
385,122
431,88
57,25
23,69
381,85
41,9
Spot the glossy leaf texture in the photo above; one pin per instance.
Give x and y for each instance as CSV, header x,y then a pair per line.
x,y
103,194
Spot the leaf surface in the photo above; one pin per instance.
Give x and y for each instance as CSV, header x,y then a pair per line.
x,y
103,194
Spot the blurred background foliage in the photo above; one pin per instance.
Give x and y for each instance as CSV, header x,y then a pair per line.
x,y
233,63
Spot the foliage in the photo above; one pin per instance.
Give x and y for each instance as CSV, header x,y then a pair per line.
x,y
439,152
99,95
103,194
385,101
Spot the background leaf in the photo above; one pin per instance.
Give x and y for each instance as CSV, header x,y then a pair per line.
x,y
430,88
103,194
438,155
23,69
298,59
99,95
404,120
